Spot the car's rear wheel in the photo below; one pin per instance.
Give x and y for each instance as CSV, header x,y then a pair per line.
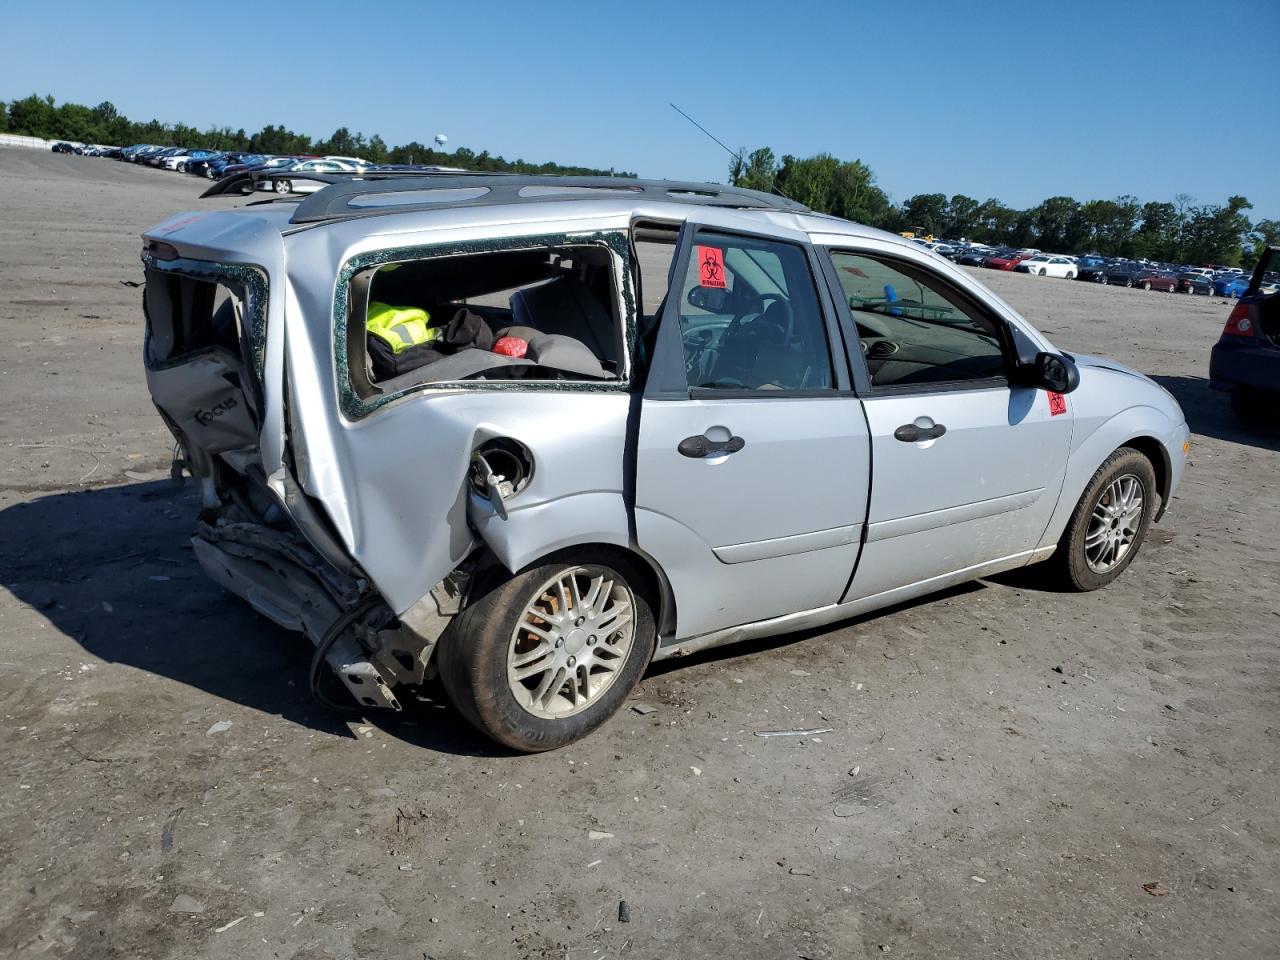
x,y
1128,282
1146,285
282,186
1257,408
546,657
1109,523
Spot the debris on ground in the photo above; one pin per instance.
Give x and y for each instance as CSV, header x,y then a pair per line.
x,y
624,912
643,709
183,903
793,733
599,835
1154,888
222,726
227,926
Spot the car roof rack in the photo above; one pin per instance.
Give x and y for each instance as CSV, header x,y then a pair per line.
x,y
375,193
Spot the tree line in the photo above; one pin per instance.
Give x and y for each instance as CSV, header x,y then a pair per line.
x,y
36,116
1181,231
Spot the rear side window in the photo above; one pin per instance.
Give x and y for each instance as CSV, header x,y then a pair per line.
x,y
750,318
915,328
535,313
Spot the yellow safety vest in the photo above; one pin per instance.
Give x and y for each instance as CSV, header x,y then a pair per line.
x,y
401,327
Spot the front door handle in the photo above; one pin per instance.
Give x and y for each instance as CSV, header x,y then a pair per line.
x,y
700,446
910,433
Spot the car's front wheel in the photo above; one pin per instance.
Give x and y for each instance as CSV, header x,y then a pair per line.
x,y
1109,523
546,657
282,186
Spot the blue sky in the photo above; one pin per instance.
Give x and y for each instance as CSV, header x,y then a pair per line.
x,y
1020,101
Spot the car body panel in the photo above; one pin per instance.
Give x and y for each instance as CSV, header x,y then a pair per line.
x,y
1002,457
786,508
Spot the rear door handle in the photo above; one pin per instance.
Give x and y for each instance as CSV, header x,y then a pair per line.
x,y
910,433
700,446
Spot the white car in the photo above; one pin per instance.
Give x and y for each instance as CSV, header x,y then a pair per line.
x,y
171,162
322,165
353,161
1048,265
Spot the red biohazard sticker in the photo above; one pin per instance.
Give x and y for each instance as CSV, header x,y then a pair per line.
x,y
1057,404
711,267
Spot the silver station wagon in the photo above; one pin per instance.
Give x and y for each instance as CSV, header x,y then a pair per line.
x,y
527,434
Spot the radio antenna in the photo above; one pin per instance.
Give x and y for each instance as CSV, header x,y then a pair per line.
x,y
736,154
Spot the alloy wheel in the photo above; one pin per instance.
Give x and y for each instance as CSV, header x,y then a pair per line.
x,y
1114,523
569,643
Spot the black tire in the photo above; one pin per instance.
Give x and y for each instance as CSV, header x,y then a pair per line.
x,y
1146,285
472,656
1257,408
1070,275
1042,271
1102,279
1068,567
282,186
1128,282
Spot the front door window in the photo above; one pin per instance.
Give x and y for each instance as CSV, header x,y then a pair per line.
x,y
750,319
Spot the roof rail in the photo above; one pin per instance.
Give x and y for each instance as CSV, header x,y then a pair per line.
x,y
374,193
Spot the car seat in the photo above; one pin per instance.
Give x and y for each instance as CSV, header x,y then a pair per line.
x,y
568,307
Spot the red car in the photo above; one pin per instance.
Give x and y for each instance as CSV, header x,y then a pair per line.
x,y
1006,261
1156,278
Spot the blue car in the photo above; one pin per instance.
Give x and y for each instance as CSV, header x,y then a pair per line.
x,y
1233,287
1246,359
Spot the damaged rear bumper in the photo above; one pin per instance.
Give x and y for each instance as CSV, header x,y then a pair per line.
x,y
283,579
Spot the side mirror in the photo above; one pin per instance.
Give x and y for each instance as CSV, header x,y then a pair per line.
x,y
711,299
1052,371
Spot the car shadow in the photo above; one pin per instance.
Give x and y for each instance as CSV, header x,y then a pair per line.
x,y
1209,413
111,568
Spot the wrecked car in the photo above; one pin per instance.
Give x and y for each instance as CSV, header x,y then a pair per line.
x,y
642,419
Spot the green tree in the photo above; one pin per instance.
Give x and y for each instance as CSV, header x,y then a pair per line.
x,y
1265,233
962,217
928,211
756,171
1213,233
1054,222
1159,236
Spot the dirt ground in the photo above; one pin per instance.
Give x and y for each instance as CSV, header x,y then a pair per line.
x,y
1010,772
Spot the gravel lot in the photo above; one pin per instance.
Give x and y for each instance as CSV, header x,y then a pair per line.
x,y
1010,772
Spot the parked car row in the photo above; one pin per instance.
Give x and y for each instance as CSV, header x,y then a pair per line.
x,y
1092,268
217,164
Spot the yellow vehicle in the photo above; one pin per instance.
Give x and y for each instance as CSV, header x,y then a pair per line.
x,y
911,233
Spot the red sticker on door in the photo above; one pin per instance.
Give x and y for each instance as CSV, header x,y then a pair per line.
x,y
711,267
1057,404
